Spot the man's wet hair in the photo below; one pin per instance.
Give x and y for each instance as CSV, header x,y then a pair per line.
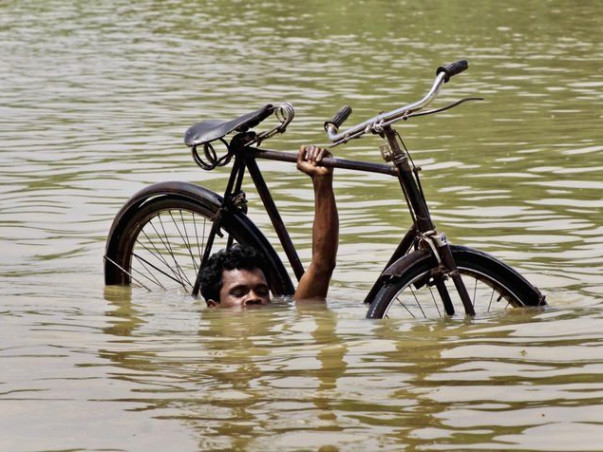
x,y
238,257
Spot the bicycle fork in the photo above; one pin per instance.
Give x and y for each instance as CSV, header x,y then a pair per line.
x,y
447,267
427,234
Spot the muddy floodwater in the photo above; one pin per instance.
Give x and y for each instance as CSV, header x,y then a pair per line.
x,y
94,101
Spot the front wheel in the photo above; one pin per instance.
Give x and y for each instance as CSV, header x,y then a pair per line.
x,y
492,285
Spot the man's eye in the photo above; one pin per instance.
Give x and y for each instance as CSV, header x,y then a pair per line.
x,y
262,291
239,293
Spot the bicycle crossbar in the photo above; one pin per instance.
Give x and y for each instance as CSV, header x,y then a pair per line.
x,y
331,162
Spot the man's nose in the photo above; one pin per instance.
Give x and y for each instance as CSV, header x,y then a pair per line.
x,y
253,298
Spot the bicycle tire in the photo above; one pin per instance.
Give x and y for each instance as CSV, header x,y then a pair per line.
x,y
158,238
492,284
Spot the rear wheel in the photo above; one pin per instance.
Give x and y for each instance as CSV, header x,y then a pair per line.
x,y
492,285
161,243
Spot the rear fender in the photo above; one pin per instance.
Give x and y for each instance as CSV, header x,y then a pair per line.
x,y
184,189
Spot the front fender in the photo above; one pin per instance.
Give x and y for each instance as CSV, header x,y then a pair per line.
x,y
400,266
396,269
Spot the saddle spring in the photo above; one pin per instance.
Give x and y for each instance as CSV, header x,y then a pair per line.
x,y
211,159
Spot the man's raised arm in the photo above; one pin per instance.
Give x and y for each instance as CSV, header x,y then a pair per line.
x,y
325,230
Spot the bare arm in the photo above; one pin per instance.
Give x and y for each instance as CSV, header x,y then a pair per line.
x,y
325,231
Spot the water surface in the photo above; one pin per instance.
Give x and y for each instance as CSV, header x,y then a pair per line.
x,y
94,102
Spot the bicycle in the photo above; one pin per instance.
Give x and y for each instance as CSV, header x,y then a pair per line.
x,y
165,233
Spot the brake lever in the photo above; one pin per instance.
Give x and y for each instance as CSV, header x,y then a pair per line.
x,y
438,110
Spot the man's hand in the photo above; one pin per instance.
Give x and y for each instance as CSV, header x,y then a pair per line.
x,y
308,161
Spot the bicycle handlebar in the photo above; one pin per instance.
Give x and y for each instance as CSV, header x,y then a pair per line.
x,y
453,69
340,117
376,123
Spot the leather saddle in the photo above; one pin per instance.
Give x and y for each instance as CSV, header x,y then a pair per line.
x,y
213,129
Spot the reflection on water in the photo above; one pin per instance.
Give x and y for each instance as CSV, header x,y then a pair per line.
x,y
94,101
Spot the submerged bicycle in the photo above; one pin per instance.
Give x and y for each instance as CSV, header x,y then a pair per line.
x,y
166,232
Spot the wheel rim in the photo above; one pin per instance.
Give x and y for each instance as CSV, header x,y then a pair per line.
x,y
419,298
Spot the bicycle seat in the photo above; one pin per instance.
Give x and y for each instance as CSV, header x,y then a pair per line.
x,y
214,129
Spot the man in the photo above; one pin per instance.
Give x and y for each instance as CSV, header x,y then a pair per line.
x,y
234,278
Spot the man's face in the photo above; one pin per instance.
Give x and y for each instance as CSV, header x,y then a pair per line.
x,y
242,288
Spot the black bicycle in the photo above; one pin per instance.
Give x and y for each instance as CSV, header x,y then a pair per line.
x,y
165,233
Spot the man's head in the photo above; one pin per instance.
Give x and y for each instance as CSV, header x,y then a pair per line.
x,y
235,277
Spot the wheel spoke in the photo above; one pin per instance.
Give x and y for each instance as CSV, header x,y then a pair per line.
x,y
144,261
149,275
178,268
417,301
164,242
158,254
159,246
184,235
491,300
405,307
435,301
127,273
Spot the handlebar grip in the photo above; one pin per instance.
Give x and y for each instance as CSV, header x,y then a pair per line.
x,y
453,69
340,117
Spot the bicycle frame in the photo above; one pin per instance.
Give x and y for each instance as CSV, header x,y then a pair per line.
x,y
422,232
422,259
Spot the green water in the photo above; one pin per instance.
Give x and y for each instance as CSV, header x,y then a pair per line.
x,y
94,101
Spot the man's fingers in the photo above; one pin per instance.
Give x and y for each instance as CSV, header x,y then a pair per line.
x,y
320,155
311,155
301,155
314,154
